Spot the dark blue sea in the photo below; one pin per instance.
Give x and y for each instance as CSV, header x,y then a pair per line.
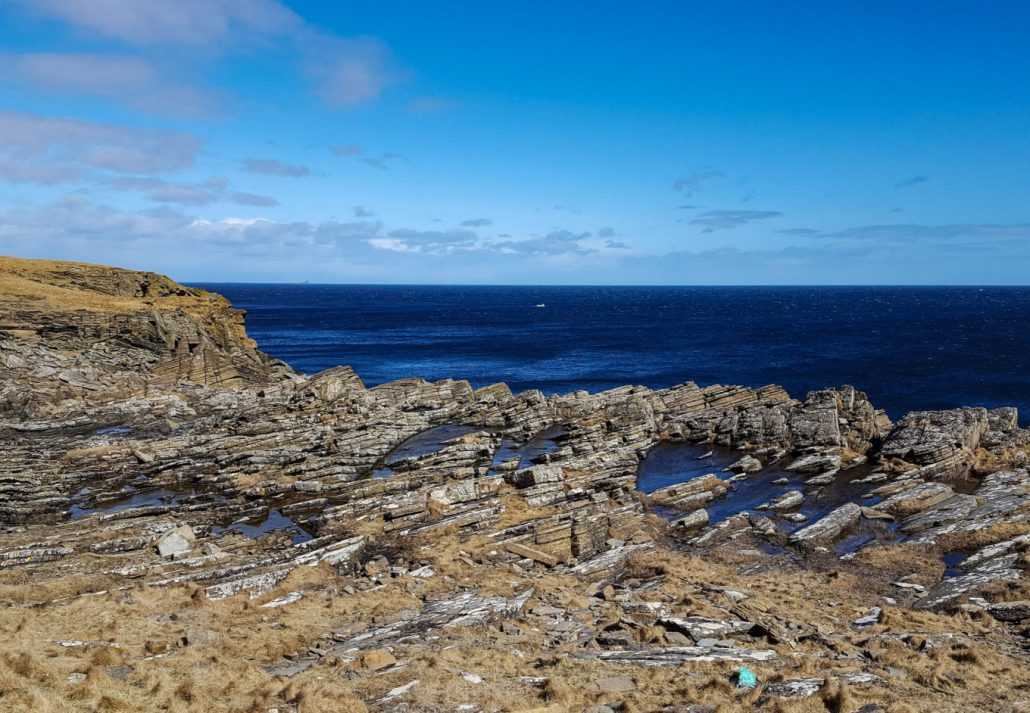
x,y
909,348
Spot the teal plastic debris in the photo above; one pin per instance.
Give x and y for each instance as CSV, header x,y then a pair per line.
x,y
746,679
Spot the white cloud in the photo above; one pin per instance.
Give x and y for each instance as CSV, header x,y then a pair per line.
x,y
353,151
132,80
905,233
189,22
52,149
691,184
558,242
273,167
80,72
252,199
345,71
210,191
714,220
241,248
348,72
57,226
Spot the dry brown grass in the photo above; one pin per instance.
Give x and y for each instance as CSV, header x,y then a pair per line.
x,y
228,642
987,462
215,649
222,670
975,539
64,286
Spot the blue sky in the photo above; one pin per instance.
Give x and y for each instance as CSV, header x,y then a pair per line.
x,y
531,142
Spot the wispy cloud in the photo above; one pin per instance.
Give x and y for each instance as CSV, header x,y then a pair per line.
x,y
695,182
713,220
345,71
161,191
253,200
76,227
426,241
212,190
362,212
348,72
185,22
905,233
273,167
131,80
475,223
912,181
558,242
44,149
357,152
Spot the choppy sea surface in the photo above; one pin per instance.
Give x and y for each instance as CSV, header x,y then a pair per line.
x,y
909,348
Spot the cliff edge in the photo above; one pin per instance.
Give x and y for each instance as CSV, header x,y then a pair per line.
x,y
106,330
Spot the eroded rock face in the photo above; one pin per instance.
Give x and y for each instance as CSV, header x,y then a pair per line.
x,y
937,443
72,331
145,439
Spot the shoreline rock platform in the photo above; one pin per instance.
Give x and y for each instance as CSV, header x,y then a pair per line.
x,y
188,524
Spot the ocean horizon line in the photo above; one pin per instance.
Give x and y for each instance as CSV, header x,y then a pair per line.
x,y
608,285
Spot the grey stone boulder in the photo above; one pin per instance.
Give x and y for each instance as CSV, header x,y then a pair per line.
x,y
830,525
788,501
176,542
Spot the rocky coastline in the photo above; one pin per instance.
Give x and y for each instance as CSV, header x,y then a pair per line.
x,y
189,524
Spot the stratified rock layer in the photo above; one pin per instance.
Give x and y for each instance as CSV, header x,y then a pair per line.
x,y
145,439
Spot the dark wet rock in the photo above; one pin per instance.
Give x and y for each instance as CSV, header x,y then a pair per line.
x,y
762,525
747,464
937,443
1010,611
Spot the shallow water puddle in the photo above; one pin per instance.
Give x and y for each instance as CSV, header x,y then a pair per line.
x,y
672,463
530,453
133,499
539,446
422,444
433,439
113,431
275,520
867,532
952,563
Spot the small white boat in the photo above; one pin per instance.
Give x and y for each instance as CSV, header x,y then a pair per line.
x,y
541,305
